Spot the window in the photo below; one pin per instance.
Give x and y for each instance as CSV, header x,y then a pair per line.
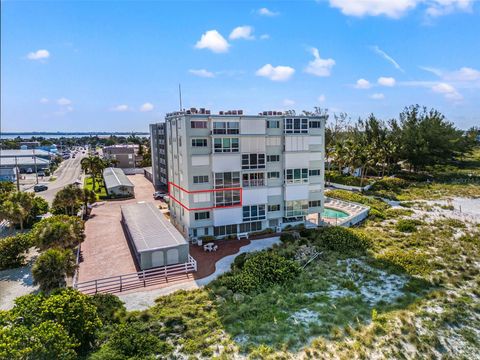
x,y
296,208
204,215
227,180
314,172
225,230
198,124
225,145
252,226
315,203
273,222
201,197
296,126
199,142
273,158
253,161
274,175
296,176
225,127
315,124
253,212
201,179
275,207
205,231
273,124
227,198
253,179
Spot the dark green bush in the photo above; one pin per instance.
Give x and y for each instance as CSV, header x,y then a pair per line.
x,y
110,308
13,250
260,271
389,184
341,239
287,237
375,214
407,225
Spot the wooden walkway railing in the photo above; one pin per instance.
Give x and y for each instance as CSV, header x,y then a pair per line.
x,y
144,278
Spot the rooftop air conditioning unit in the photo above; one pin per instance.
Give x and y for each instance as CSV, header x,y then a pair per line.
x,y
265,113
240,112
270,113
207,112
234,112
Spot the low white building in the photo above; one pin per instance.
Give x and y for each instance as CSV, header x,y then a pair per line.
x,y
117,183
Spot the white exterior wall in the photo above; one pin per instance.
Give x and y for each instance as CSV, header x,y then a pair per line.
x,y
227,216
226,162
254,196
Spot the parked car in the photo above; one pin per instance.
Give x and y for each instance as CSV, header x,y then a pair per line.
x,y
159,195
40,187
29,171
41,173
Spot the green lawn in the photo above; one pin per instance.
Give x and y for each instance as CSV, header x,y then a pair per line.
x,y
100,190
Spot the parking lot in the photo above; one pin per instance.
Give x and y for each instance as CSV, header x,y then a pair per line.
x,y
105,251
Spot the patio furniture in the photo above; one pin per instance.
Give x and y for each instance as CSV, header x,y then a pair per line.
x,y
215,248
208,247
242,236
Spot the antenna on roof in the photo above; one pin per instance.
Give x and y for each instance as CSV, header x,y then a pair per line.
x,y
180,95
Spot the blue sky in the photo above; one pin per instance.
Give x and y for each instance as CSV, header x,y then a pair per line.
x,y
116,66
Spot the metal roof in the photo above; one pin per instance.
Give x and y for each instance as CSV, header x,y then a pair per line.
x,y
149,229
24,161
26,152
115,177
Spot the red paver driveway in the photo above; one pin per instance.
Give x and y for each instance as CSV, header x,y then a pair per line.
x,y
105,251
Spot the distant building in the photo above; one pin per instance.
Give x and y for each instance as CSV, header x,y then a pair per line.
x,y
158,144
29,145
117,183
8,174
124,156
26,153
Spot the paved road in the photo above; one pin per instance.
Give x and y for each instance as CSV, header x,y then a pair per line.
x,y
68,172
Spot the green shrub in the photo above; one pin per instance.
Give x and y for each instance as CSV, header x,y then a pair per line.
x,y
110,308
397,212
337,178
52,267
341,239
287,237
260,270
13,250
414,263
375,214
390,184
407,225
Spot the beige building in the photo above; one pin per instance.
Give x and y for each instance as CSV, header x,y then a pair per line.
x,y
123,156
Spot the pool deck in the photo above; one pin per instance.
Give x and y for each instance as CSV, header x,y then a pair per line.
x,y
357,212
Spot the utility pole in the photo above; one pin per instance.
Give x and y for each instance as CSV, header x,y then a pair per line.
x,y
17,174
35,165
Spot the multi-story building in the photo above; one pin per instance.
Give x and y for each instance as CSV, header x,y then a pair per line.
x,y
158,144
124,156
232,173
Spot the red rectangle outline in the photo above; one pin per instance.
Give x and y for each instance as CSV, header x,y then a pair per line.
x,y
203,191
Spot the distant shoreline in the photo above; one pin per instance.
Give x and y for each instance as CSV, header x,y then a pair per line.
x,y
89,133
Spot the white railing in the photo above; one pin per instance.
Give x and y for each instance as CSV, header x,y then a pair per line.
x,y
144,278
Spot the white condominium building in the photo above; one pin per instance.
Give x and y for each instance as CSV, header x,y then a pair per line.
x,y
232,173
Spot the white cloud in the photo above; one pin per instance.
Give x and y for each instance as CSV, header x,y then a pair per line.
x,y
464,74
213,41
322,98
443,7
121,108
38,55
266,12
44,101
288,102
397,8
377,96
146,107
363,84
264,37
242,32
387,57
448,91
202,73
386,81
390,8
275,73
64,101
319,66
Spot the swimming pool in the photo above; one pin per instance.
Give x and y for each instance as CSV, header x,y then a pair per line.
x,y
333,213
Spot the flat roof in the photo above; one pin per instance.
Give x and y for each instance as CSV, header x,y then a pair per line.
x,y
23,160
24,152
149,229
115,177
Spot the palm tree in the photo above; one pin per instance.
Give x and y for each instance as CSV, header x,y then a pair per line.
x,y
88,197
51,268
93,165
68,199
17,207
